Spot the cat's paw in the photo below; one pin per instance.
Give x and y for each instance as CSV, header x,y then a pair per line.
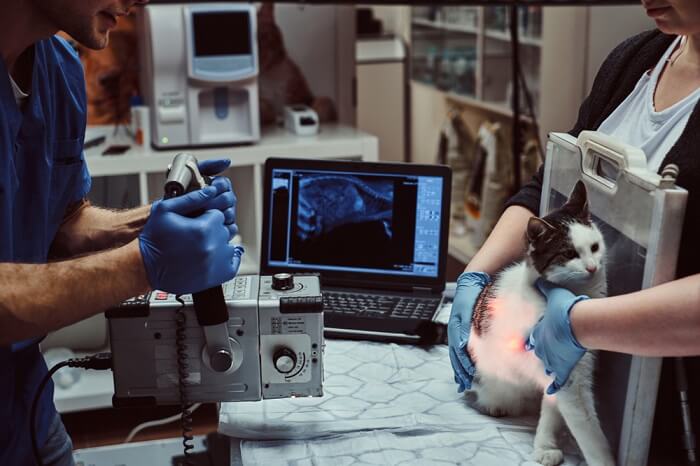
x,y
551,457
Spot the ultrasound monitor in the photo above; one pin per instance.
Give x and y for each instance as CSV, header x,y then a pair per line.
x,y
356,221
222,42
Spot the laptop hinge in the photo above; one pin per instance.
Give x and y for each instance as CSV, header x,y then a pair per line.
x,y
422,290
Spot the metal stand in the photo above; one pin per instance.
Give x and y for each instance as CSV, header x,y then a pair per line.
x,y
515,64
688,434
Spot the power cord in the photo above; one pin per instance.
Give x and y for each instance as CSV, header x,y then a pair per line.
x,y
100,361
158,422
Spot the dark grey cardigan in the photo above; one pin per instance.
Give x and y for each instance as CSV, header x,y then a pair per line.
x,y
615,80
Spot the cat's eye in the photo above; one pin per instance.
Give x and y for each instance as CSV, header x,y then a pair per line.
x,y
595,247
571,254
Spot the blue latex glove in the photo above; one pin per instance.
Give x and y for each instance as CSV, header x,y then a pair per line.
x,y
552,337
469,287
224,187
183,254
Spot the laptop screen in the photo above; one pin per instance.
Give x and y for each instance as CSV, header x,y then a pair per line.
x,y
336,217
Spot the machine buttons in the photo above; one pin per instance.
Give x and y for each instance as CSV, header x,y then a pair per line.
x,y
282,281
285,360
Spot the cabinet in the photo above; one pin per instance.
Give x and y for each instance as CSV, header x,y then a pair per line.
x,y
465,51
461,60
382,94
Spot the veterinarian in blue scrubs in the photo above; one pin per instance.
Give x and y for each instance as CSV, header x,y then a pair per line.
x,y
44,215
646,94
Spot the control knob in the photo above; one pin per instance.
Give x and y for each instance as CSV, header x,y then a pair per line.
x,y
285,360
282,281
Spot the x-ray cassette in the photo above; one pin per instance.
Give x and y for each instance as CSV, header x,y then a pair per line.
x,y
275,327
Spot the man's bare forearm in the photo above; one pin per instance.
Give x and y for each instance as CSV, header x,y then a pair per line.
x,y
90,229
38,298
659,321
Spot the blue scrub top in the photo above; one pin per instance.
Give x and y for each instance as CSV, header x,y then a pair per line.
x,y
42,172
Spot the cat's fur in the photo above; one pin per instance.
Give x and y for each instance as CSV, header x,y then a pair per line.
x,y
566,248
281,81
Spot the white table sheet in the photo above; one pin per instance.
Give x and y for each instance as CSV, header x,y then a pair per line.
x,y
384,404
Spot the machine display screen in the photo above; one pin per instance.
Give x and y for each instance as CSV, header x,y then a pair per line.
x,y
221,33
355,222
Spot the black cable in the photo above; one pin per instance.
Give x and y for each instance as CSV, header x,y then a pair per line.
x,y
531,109
100,361
182,373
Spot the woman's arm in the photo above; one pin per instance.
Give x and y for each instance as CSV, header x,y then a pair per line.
x,y
505,244
659,321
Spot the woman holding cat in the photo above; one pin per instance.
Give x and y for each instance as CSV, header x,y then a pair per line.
x,y
646,94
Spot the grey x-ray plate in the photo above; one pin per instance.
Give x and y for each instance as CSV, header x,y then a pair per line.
x,y
640,215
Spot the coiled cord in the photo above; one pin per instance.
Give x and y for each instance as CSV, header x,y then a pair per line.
x,y
183,374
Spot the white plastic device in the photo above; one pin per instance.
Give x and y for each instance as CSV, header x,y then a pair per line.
x,y
301,120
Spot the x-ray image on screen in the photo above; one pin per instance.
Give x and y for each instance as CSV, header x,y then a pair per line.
x,y
328,202
350,221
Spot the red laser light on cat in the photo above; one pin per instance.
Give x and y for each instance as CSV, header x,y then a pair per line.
x,y
516,344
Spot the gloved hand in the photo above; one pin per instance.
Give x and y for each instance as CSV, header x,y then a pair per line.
x,y
182,254
469,287
224,187
552,337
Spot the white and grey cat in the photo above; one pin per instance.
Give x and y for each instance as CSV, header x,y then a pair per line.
x,y
564,247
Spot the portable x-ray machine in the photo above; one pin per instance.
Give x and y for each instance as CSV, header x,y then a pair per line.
x,y
252,338
640,214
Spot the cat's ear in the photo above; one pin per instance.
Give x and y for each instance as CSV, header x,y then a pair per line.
x,y
267,11
536,227
578,201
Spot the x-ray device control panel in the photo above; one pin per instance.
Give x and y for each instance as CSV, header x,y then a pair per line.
x,y
275,329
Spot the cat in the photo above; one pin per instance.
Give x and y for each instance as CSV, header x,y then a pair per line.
x,y
566,248
281,81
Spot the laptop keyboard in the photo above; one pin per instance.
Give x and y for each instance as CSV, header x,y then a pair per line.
x,y
379,306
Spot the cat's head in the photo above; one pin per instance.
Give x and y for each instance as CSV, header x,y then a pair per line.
x,y
270,41
566,246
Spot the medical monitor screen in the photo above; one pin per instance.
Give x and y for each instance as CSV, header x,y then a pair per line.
x,y
221,33
355,222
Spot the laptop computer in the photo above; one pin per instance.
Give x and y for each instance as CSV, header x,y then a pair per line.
x,y
375,232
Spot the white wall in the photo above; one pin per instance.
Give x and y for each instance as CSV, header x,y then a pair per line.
x,y
610,25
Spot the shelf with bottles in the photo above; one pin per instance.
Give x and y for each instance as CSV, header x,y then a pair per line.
x,y
497,24
449,65
466,52
461,18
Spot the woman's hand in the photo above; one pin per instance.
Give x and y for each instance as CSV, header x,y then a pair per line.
x,y
469,287
552,337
